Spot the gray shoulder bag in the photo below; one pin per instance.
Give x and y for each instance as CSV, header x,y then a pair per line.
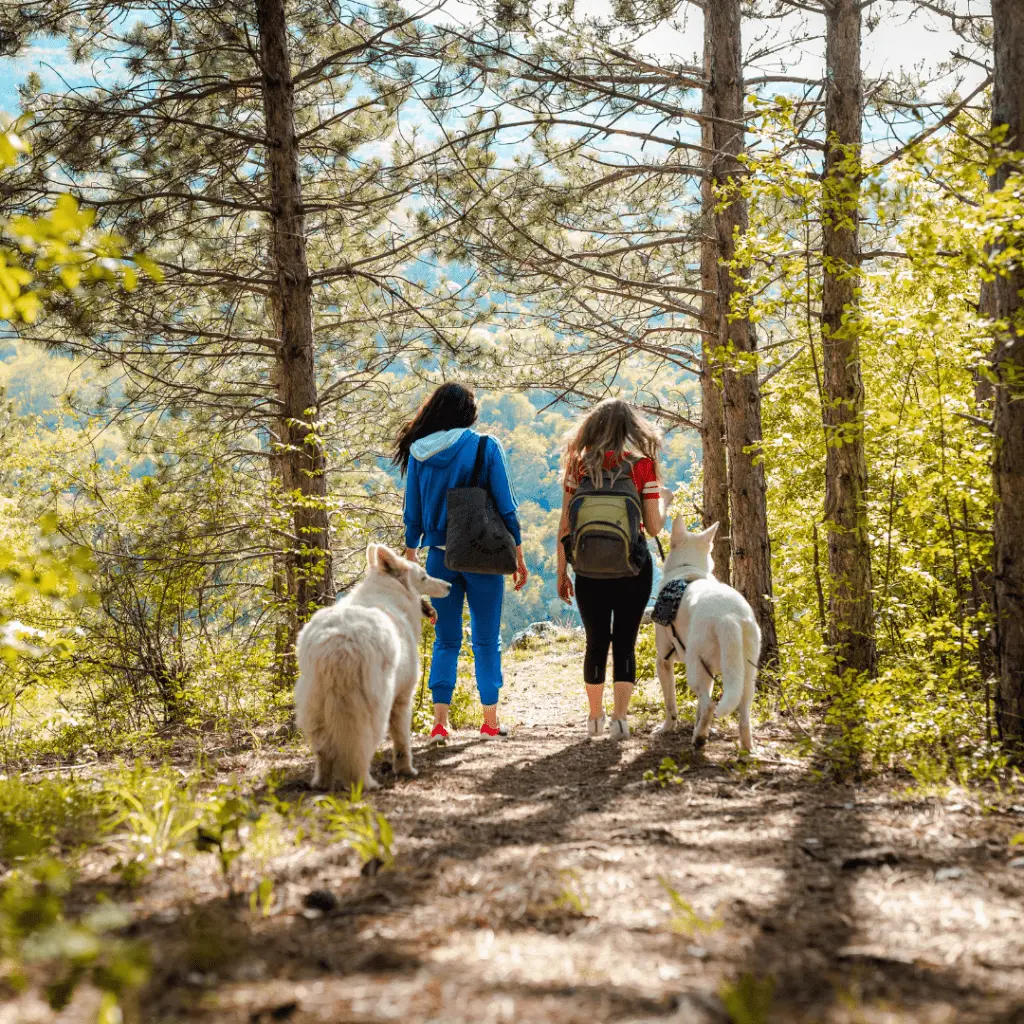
x,y
477,539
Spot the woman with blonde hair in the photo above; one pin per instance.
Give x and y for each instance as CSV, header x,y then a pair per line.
x,y
612,492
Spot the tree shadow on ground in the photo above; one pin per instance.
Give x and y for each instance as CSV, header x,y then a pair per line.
x,y
808,940
813,942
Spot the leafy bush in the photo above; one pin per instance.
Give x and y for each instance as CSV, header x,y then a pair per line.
x,y
38,941
35,816
157,819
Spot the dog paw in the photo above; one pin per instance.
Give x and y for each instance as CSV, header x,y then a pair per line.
x,y
700,742
370,783
669,725
406,770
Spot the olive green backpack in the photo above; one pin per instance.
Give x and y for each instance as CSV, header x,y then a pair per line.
x,y
604,539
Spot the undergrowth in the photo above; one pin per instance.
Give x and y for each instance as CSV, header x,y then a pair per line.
x,y
55,940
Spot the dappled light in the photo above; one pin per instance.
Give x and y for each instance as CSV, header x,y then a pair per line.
x,y
512,512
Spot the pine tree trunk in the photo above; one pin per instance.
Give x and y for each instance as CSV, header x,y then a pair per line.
x,y
851,612
751,555
1008,368
286,632
314,584
712,410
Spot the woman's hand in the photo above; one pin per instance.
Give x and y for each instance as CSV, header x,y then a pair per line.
x,y
667,497
521,573
565,589
411,553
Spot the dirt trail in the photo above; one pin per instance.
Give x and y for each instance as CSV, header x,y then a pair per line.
x,y
532,884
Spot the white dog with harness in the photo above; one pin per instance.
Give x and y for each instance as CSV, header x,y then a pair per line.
x,y
711,628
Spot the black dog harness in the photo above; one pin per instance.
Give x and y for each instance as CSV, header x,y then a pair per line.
x,y
667,607
670,597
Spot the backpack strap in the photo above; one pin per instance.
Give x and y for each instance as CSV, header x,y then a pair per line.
x,y
478,465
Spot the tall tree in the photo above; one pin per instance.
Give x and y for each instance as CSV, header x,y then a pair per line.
x,y
714,461
251,149
1008,373
851,615
296,353
751,555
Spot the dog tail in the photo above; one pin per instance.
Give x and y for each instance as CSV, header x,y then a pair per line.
x,y
730,631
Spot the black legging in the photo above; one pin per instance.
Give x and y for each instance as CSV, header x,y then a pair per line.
x,y
611,611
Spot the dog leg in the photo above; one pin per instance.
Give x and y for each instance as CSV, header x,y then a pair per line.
x,y
751,650
746,740
701,684
321,773
400,727
667,678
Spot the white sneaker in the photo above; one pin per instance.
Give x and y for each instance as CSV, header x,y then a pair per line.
x,y
595,727
618,730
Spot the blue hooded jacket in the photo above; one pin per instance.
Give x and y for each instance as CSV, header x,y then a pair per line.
x,y
445,459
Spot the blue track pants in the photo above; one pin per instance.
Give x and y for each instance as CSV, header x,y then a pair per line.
x,y
484,593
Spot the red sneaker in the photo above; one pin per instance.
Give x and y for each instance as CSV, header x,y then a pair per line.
x,y
439,737
490,731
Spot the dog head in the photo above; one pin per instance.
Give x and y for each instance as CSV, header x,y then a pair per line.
x,y
691,549
413,576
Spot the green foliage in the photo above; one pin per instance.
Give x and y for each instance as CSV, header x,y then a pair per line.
x,y
224,829
748,1000
261,899
168,632
929,504
464,710
685,920
572,899
668,773
38,566
160,817
646,653
59,251
49,813
39,942
355,822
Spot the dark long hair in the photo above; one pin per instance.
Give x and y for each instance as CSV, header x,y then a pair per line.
x,y
451,405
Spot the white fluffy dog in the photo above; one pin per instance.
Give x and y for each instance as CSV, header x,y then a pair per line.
x,y
714,631
358,666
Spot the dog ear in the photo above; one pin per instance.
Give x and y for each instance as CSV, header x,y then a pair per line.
x,y
679,531
708,536
390,563
371,555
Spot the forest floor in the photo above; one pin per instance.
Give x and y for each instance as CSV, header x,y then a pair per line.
x,y
543,879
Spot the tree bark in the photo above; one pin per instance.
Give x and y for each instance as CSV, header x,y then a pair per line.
x,y
751,554
306,477
712,410
286,632
1008,372
851,611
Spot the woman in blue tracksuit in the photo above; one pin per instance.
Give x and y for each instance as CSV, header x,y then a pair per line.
x,y
436,450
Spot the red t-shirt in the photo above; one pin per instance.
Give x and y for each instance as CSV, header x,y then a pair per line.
x,y
647,485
